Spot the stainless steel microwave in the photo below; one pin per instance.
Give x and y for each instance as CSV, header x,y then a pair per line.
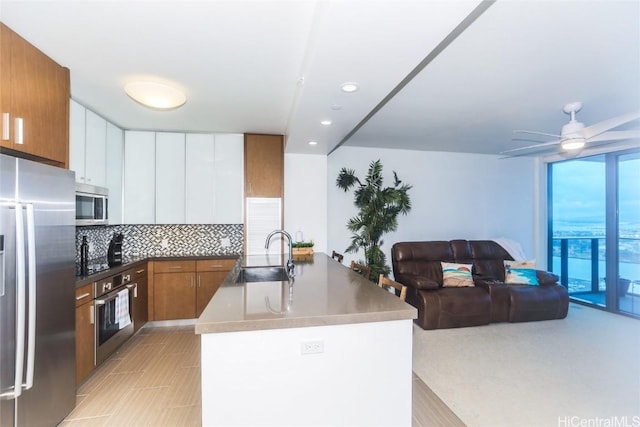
x,y
92,205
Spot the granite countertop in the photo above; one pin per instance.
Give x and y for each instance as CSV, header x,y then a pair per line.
x,y
324,292
135,261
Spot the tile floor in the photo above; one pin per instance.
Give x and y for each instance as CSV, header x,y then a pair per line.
x,y
154,380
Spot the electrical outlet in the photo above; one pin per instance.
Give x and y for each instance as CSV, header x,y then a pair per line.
x,y
164,244
225,242
312,347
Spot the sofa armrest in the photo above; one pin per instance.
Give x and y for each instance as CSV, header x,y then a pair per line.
x,y
420,282
546,277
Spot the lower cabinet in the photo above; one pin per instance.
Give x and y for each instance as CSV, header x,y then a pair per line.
x,y
85,332
211,274
140,298
182,289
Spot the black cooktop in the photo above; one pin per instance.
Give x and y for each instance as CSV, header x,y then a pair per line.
x,y
94,266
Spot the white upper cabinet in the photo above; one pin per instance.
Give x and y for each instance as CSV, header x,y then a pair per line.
x,y
229,178
177,178
139,177
87,145
95,150
77,114
170,178
114,162
200,179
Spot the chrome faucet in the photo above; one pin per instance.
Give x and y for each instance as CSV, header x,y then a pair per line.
x,y
290,266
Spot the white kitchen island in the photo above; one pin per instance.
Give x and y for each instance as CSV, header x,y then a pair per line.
x,y
331,348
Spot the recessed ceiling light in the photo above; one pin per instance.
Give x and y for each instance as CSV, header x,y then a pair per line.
x,y
336,107
349,87
326,122
313,142
154,95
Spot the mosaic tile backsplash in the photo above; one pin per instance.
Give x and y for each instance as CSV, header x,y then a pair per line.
x,y
164,240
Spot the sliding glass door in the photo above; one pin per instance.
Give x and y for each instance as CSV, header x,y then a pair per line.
x,y
594,229
628,283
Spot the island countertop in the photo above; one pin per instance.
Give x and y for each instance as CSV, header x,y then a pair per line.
x,y
324,292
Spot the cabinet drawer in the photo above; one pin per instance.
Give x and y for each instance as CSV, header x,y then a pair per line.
x,y
140,271
215,264
84,294
174,266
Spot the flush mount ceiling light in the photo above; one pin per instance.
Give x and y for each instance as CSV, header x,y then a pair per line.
x,y
349,87
313,142
326,122
154,95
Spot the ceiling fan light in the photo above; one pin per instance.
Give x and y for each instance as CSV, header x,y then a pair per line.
x,y
573,144
154,95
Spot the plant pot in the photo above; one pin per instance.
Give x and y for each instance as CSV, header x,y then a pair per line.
x,y
623,286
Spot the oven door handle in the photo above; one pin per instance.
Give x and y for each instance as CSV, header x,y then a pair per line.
x,y
134,286
103,301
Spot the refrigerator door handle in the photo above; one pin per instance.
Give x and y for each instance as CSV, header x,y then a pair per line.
x,y
2,289
20,301
31,336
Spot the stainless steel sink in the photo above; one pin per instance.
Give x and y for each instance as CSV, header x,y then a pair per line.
x,y
262,274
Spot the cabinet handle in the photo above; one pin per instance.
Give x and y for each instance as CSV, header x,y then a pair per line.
x,y
140,271
19,129
198,280
191,280
216,266
92,315
79,297
174,267
6,124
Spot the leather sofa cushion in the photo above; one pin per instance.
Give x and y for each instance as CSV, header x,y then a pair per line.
x,y
420,282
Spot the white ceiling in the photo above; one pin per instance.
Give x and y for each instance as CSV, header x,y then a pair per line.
x,y
276,66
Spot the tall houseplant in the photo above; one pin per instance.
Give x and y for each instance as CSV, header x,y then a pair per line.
x,y
378,210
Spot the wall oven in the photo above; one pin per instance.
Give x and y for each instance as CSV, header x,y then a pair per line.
x,y
92,205
113,314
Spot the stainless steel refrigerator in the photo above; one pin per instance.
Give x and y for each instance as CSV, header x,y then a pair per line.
x,y
37,304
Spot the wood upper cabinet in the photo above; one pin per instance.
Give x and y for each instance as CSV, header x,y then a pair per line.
x,y
263,165
85,332
34,96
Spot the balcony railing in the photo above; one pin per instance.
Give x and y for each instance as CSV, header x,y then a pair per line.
x,y
580,263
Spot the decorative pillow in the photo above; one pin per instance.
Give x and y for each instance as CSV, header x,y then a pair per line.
x,y
456,275
520,272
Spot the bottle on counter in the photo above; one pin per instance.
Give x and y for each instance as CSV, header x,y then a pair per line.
x,y
84,256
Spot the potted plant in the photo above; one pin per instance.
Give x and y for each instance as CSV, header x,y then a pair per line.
x,y
378,210
302,248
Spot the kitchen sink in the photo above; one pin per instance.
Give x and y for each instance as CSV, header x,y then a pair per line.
x,y
262,274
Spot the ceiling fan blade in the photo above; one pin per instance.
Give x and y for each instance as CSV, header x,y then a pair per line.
x,y
615,136
532,148
536,133
530,152
601,127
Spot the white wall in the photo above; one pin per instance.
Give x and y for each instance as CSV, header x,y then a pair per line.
x,y
454,196
305,197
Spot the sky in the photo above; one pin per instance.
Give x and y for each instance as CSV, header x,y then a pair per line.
x,y
579,191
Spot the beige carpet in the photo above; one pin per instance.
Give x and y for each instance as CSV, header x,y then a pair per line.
x,y
570,372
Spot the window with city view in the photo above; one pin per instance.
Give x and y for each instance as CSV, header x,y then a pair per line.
x,y
594,229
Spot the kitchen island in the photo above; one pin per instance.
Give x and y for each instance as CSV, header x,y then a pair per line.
x,y
328,348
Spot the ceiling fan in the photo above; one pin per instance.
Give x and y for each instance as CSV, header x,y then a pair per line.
x,y
574,135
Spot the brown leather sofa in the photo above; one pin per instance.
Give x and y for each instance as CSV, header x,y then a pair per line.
x,y
417,265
